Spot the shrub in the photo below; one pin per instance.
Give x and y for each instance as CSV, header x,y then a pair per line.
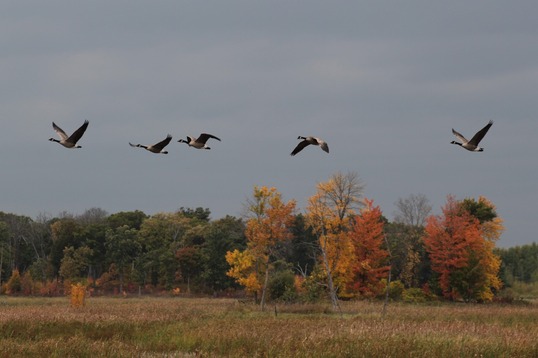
x,y
396,289
13,285
416,295
28,286
78,295
282,286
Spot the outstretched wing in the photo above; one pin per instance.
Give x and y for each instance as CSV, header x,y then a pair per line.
x,y
205,136
300,147
78,133
163,143
60,131
459,136
480,134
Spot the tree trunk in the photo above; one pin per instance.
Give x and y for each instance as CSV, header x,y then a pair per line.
x,y
1,263
330,283
385,304
264,288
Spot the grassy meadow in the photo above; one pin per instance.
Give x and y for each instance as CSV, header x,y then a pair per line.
x,y
189,327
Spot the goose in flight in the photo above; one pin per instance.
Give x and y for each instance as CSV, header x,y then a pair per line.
x,y
199,143
472,144
310,140
155,148
69,141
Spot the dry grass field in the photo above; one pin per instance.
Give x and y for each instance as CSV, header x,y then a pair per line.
x,y
182,327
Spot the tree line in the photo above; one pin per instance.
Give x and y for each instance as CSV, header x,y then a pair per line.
x,y
340,247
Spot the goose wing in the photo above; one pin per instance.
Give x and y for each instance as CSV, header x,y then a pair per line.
x,y
163,143
480,134
205,136
60,131
459,136
300,147
78,133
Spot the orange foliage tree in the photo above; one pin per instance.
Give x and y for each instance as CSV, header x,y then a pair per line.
x,y
269,224
369,265
461,254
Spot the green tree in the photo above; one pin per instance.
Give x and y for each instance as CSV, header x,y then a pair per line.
x,y
198,213
65,232
131,219
301,251
122,248
226,234
75,263
409,261
190,261
519,264
161,235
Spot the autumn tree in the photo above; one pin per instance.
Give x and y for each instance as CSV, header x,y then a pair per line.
x,y
461,254
267,227
329,214
482,275
369,264
243,269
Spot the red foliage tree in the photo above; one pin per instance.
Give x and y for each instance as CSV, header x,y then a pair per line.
x,y
450,240
370,258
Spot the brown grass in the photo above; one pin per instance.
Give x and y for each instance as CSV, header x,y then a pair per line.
x,y
181,327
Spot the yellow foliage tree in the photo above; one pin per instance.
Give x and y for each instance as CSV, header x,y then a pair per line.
x,y
329,214
242,269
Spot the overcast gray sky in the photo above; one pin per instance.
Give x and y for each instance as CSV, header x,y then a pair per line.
x,y
382,82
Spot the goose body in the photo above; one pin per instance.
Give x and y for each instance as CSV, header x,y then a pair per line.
x,y
69,141
200,142
155,148
472,145
308,141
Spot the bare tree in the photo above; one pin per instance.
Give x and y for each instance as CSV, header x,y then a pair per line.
x,y
412,213
413,210
93,216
